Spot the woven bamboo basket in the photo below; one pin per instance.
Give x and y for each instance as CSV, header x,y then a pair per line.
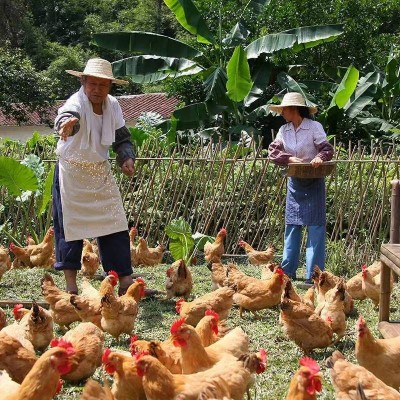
x,y
307,171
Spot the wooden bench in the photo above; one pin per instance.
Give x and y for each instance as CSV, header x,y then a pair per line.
x,y
390,257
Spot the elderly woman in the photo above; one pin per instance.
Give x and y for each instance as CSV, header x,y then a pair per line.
x,y
302,140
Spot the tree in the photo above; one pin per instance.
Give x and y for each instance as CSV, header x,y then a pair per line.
x,y
22,88
11,16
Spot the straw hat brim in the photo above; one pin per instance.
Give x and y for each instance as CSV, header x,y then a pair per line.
x,y
278,107
80,74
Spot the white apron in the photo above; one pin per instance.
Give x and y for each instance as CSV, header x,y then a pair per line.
x,y
90,199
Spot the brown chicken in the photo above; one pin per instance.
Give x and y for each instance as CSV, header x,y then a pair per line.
x,y
371,286
254,294
36,255
90,260
210,329
219,300
213,251
61,309
218,274
160,384
165,352
306,382
303,326
118,314
5,260
257,257
3,319
15,358
333,308
324,281
148,256
380,356
87,340
43,380
179,281
195,357
132,235
94,391
307,299
346,376
354,284
268,270
127,384
38,325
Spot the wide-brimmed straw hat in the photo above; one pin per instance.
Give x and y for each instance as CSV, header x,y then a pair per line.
x,y
98,68
292,99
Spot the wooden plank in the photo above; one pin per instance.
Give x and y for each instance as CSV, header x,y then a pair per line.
x,y
384,300
394,266
25,303
389,329
391,251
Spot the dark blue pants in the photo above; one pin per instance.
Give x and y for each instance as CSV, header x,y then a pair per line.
x,y
114,249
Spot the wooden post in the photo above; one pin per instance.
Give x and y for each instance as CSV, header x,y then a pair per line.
x,y
395,217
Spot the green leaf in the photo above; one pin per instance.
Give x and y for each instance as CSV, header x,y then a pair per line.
x,y
181,243
261,75
310,36
190,18
148,69
146,43
200,240
47,190
287,82
17,177
270,44
192,112
138,136
346,87
236,36
259,5
239,80
215,84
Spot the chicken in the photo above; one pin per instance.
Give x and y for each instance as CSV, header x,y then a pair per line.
x,y
218,274
165,352
7,385
195,357
179,281
268,270
333,308
213,251
90,260
326,281
5,260
257,257
15,358
354,284
43,380
254,294
148,256
127,384
61,309
132,235
3,319
380,356
160,384
306,382
346,376
303,326
87,340
307,299
219,300
38,325
371,286
209,328
94,391
36,255
118,314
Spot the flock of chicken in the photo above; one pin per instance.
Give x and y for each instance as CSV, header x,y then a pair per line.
x,y
202,358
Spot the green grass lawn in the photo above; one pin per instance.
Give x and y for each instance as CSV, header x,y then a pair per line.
x,y
155,318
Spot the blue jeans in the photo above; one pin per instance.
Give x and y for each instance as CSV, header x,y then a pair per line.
x,y
315,252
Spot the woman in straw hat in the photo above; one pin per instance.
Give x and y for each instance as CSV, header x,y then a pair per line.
x,y
302,140
86,199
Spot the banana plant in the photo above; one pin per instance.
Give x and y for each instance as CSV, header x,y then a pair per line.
x,y
235,73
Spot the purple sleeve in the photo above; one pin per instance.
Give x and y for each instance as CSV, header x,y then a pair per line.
x,y
325,151
276,153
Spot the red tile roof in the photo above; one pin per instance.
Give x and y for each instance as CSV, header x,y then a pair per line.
x,y
132,107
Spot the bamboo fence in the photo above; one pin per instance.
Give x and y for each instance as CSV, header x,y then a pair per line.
x,y
222,185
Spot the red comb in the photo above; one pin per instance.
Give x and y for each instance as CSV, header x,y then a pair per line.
x,y
176,325
310,363
279,271
132,347
169,271
106,354
212,313
263,355
17,307
223,231
364,267
134,229
11,246
178,305
242,243
64,344
113,273
141,354
361,320
140,280
59,386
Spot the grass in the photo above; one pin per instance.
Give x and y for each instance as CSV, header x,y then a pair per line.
x,y
155,318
